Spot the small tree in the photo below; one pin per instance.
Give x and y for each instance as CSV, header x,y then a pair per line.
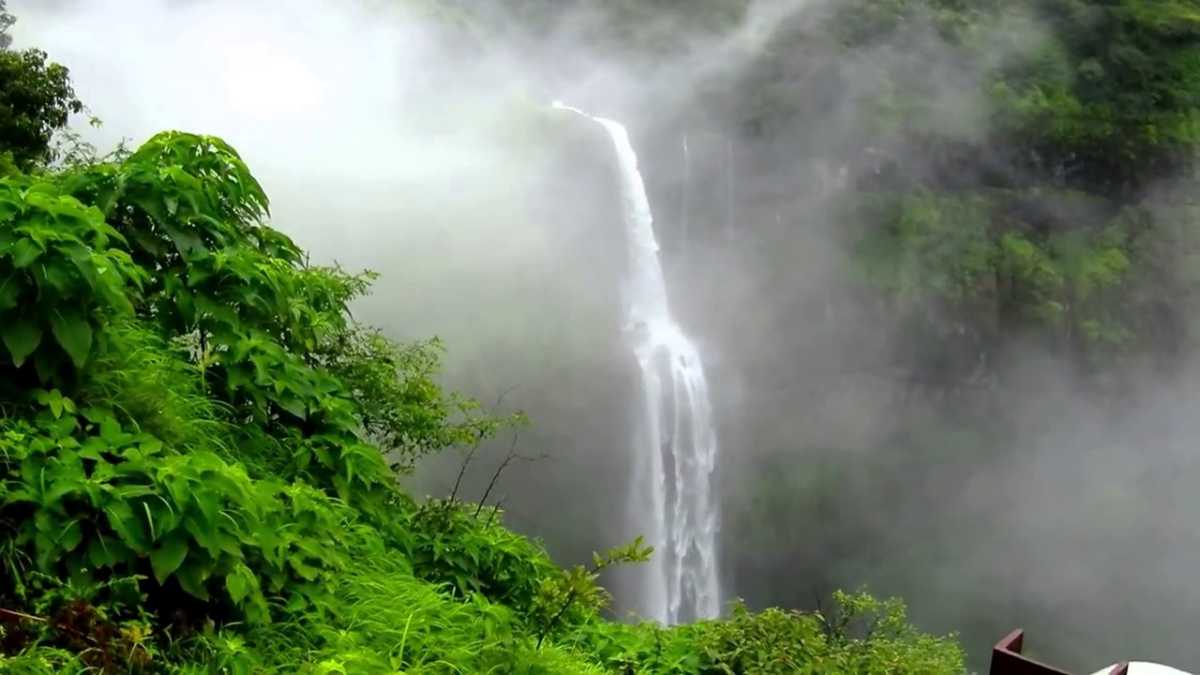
x,y
576,588
36,100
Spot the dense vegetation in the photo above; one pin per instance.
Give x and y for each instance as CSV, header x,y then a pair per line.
x,y
1022,179
199,451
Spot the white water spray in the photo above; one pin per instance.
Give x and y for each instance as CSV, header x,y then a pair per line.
x,y
675,443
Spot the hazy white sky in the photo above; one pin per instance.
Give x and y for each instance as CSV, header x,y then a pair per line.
x,y
354,120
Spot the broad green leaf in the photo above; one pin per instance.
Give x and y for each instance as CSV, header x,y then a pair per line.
x,y
237,586
206,534
71,536
55,401
22,336
61,428
127,526
303,569
47,548
168,557
56,274
292,405
73,333
9,207
25,252
81,256
296,603
192,577
217,309
10,290
149,243
187,243
239,583
100,552
111,432
96,415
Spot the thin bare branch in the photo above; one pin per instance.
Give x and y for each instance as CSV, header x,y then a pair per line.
x,y
462,470
509,458
22,615
495,510
504,394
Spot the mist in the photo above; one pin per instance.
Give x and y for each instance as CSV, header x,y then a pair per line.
x,y
392,139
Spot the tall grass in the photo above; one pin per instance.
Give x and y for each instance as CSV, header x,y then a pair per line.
x,y
385,620
153,385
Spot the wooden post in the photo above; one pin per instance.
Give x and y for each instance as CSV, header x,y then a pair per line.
x,y
1007,659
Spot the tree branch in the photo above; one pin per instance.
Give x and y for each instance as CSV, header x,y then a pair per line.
x,y
495,510
508,459
462,470
22,615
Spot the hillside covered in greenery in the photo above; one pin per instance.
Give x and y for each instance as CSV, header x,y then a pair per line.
x,y
199,452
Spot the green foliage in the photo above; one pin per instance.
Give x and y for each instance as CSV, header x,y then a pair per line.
x,y
1113,83
401,407
965,255
36,100
1135,82
469,552
382,619
151,385
269,334
773,642
574,596
63,278
933,246
868,635
862,635
177,372
190,395
90,500
994,163
41,661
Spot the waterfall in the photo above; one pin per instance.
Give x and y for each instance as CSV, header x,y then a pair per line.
x,y
686,193
674,442
730,208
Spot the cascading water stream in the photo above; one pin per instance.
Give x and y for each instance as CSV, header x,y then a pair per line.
x,y
675,444
684,215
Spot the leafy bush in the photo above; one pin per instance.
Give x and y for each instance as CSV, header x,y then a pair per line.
x,y
470,553
778,642
90,499
41,661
